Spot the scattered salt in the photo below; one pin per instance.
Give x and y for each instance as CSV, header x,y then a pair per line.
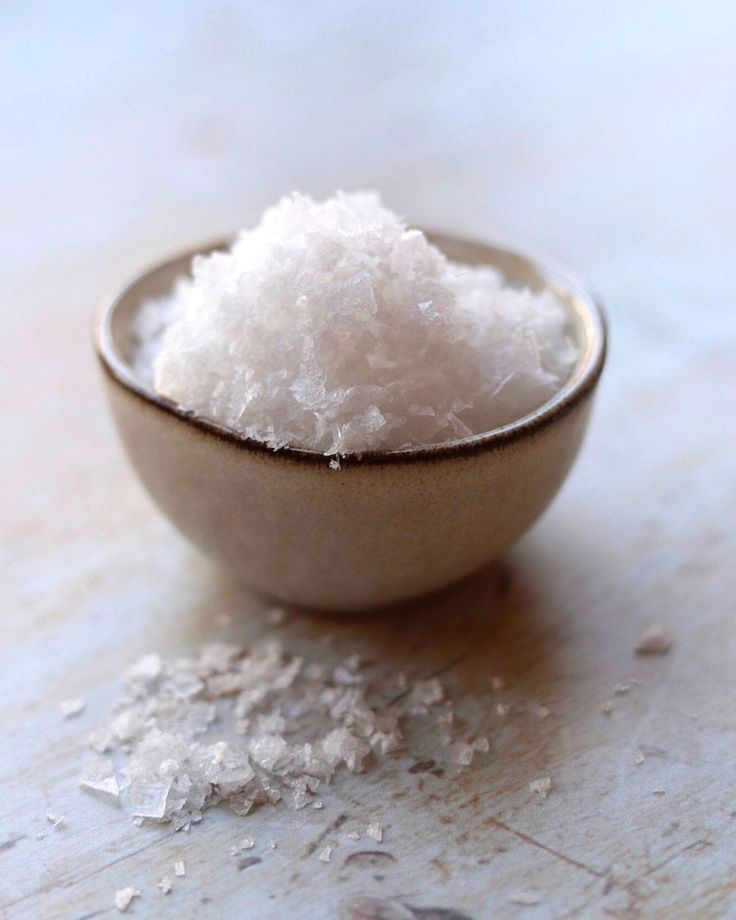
x,y
607,708
621,689
659,791
542,712
353,835
165,885
654,641
334,327
56,820
461,753
326,854
124,898
70,708
276,616
374,831
179,868
426,693
503,709
247,843
639,758
542,786
255,726
99,777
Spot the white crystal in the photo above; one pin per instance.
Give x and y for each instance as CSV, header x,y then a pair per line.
x,y
654,641
124,898
333,326
73,707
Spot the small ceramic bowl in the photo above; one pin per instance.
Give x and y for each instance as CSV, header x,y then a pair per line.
x,y
386,526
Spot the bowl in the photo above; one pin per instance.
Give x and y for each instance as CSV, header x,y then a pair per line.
x,y
387,526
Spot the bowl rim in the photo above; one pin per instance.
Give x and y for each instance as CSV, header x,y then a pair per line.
x,y
581,384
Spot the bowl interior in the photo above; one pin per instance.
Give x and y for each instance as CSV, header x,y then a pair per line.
x,y
117,343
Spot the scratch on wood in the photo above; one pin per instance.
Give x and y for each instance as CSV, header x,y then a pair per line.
x,y
61,883
543,846
9,844
356,857
336,825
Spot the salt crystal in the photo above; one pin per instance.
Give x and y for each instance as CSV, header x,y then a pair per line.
x,y
250,727
57,820
374,831
124,898
276,616
659,791
503,709
316,329
179,868
654,641
73,707
247,843
621,689
99,777
607,708
427,692
353,835
639,758
542,786
542,712
326,854
165,885
525,899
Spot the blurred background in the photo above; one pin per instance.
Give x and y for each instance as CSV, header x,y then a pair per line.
x,y
601,133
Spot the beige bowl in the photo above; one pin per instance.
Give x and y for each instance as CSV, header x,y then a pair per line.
x,y
385,527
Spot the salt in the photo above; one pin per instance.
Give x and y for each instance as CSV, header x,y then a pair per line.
x,y
654,641
73,707
258,726
336,328
124,898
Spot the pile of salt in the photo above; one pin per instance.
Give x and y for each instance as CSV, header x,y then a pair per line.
x,y
334,327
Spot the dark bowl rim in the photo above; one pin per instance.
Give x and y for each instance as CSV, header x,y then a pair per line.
x,y
578,387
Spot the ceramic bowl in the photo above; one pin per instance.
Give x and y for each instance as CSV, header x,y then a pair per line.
x,y
385,527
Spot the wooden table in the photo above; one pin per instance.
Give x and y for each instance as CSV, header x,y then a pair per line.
x,y
606,138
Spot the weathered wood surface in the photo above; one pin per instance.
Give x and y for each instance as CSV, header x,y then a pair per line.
x,y
605,138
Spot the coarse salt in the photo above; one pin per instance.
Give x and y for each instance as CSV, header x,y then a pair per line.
x,y
73,707
335,327
255,726
541,787
124,898
654,641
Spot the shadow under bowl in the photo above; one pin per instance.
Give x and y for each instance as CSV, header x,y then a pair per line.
x,y
387,526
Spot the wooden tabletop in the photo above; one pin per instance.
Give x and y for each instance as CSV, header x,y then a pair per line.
x,y
602,134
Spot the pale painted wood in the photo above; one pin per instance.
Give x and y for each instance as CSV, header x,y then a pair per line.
x,y
606,138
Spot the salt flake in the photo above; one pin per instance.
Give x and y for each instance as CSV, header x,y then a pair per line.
x,y
654,641
73,707
124,898
542,786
